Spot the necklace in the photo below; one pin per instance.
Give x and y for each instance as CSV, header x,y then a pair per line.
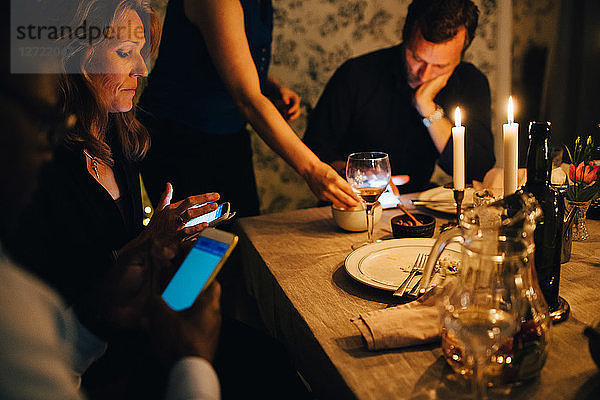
x,y
93,163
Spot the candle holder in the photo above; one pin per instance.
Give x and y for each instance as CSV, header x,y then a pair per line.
x,y
459,196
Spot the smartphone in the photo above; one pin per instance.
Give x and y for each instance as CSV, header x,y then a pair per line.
x,y
199,268
213,218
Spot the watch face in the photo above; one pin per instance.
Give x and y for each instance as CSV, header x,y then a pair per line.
x,y
426,122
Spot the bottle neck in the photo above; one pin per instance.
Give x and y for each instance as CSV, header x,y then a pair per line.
x,y
538,160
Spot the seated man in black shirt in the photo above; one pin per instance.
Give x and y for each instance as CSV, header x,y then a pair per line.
x,y
396,99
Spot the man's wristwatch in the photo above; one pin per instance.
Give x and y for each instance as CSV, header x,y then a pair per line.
x,y
436,115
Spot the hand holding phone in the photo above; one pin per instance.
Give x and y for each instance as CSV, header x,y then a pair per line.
x,y
199,268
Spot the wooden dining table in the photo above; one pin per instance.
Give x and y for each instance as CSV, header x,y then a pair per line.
x,y
293,264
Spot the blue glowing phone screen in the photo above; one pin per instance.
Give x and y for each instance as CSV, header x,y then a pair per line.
x,y
211,216
193,273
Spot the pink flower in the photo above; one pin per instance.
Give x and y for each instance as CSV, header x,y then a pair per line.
x,y
572,173
590,173
576,174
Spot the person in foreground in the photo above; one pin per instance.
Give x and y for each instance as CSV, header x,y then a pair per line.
x,y
398,99
44,348
210,79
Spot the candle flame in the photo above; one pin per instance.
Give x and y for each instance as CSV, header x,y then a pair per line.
x,y
457,120
510,112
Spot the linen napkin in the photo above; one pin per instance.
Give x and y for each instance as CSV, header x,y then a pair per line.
x,y
417,322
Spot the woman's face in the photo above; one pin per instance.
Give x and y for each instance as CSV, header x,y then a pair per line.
x,y
119,62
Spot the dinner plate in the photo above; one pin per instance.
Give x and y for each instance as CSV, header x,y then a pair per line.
x,y
442,199
385,265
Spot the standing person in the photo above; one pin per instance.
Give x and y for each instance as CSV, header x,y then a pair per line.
x,y
210,78
397,99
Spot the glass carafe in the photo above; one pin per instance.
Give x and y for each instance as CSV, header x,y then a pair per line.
x,y
495,321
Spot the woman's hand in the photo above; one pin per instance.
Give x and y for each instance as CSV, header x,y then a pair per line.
x,y
169,220
328,185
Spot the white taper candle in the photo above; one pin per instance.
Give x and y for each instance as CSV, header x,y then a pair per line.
x,y
458,151
511,151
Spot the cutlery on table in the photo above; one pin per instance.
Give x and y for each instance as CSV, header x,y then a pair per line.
x,y
417,267
414,292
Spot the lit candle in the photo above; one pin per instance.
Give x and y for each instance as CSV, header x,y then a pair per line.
x,y
511,151
458,151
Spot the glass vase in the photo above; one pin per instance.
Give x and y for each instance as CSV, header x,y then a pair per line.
x,y
579,232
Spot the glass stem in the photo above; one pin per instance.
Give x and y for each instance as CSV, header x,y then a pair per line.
x,y
370,208
479,384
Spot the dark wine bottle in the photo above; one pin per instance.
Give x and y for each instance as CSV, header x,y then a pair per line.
x,y
548,232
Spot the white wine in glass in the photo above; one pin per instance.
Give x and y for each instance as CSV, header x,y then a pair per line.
x,y
368,173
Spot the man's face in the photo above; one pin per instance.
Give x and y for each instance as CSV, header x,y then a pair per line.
x,y
426,60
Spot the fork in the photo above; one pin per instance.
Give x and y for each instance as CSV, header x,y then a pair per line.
x,y
414,292
417,267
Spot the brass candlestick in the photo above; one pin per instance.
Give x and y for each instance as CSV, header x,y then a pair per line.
x,y
459,196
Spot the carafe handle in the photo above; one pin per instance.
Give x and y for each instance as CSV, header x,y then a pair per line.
x,y
454,235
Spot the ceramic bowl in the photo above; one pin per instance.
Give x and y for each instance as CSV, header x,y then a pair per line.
x,y
402,229
354,219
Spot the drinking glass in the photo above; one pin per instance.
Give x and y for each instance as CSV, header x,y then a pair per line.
x,y
368,173
478,333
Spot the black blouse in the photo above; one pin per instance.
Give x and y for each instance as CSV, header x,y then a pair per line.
x,y
68,234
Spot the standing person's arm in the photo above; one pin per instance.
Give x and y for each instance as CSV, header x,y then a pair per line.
x,y
221,23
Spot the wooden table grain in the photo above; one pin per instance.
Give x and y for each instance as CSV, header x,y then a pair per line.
x,y
293,266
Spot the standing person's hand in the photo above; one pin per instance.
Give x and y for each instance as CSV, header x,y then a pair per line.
x,y
291,104
283,98
425,93
328,185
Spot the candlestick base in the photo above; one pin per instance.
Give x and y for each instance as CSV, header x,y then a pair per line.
x,y
459,196
561,313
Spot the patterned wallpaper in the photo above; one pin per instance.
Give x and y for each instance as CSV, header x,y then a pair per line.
x,y
313,37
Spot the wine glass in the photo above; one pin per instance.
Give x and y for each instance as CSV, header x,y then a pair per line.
x,y
368,173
